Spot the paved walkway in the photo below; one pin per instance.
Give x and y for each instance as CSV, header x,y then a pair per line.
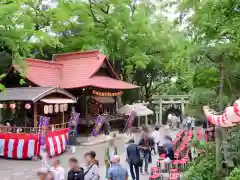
x,y
26,170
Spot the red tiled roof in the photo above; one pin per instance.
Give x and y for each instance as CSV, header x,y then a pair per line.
x,y
42,73
73,70
109,83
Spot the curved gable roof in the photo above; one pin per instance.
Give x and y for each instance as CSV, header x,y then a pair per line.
x,y
73,70
33,94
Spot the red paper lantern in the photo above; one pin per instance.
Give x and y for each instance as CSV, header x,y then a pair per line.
x,y
12,106
27,106
1,106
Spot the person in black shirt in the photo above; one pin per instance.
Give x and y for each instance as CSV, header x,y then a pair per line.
x,y
72,138
75,173
133,159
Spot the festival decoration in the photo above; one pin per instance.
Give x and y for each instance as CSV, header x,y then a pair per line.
x,y
27,106
12,106
43,129
56,108
30,141
107,93
227,119
130,120
74,119
231,115
65,107
98,125
50,109
237,107
1,106
61,108
45,109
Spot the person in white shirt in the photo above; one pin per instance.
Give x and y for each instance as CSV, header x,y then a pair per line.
x,y
169,118
57,170
45,158
156,139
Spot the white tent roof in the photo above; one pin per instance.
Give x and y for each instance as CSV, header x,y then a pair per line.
x,y
139,108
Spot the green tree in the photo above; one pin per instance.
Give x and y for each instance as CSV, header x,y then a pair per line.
x,y
24,24
131,34
235,174
212,28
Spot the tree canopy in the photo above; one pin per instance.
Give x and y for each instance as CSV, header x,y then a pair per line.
x,y
137,40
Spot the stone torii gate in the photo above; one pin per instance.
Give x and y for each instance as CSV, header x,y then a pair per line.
x,y
160,100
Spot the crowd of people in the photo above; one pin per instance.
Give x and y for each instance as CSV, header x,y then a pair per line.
x,y
138,156
56,172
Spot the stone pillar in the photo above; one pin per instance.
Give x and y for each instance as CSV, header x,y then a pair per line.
x,y
160,111
146,120
156,118
182,107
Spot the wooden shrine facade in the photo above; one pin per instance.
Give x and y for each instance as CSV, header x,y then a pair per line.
x,y
88,76
26,104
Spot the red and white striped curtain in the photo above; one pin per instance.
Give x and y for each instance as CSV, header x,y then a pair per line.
x,y
229,118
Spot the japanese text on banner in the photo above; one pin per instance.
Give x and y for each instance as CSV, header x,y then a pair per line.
x,y
74,119
43,129
130,120
98,125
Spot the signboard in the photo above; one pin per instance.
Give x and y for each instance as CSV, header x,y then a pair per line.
x,y
98,125
130,120
43,129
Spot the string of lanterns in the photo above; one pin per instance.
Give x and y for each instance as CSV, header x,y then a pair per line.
x,y
107,93
13,106
48,109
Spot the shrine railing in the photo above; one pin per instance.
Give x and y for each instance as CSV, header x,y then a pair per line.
x,y
83,121
92,119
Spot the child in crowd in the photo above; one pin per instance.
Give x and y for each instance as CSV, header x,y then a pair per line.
x,y
50,175
42,174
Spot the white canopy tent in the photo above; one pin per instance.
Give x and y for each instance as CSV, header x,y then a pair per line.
x,y
140,110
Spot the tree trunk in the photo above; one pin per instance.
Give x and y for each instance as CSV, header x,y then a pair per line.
x,y
218,130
